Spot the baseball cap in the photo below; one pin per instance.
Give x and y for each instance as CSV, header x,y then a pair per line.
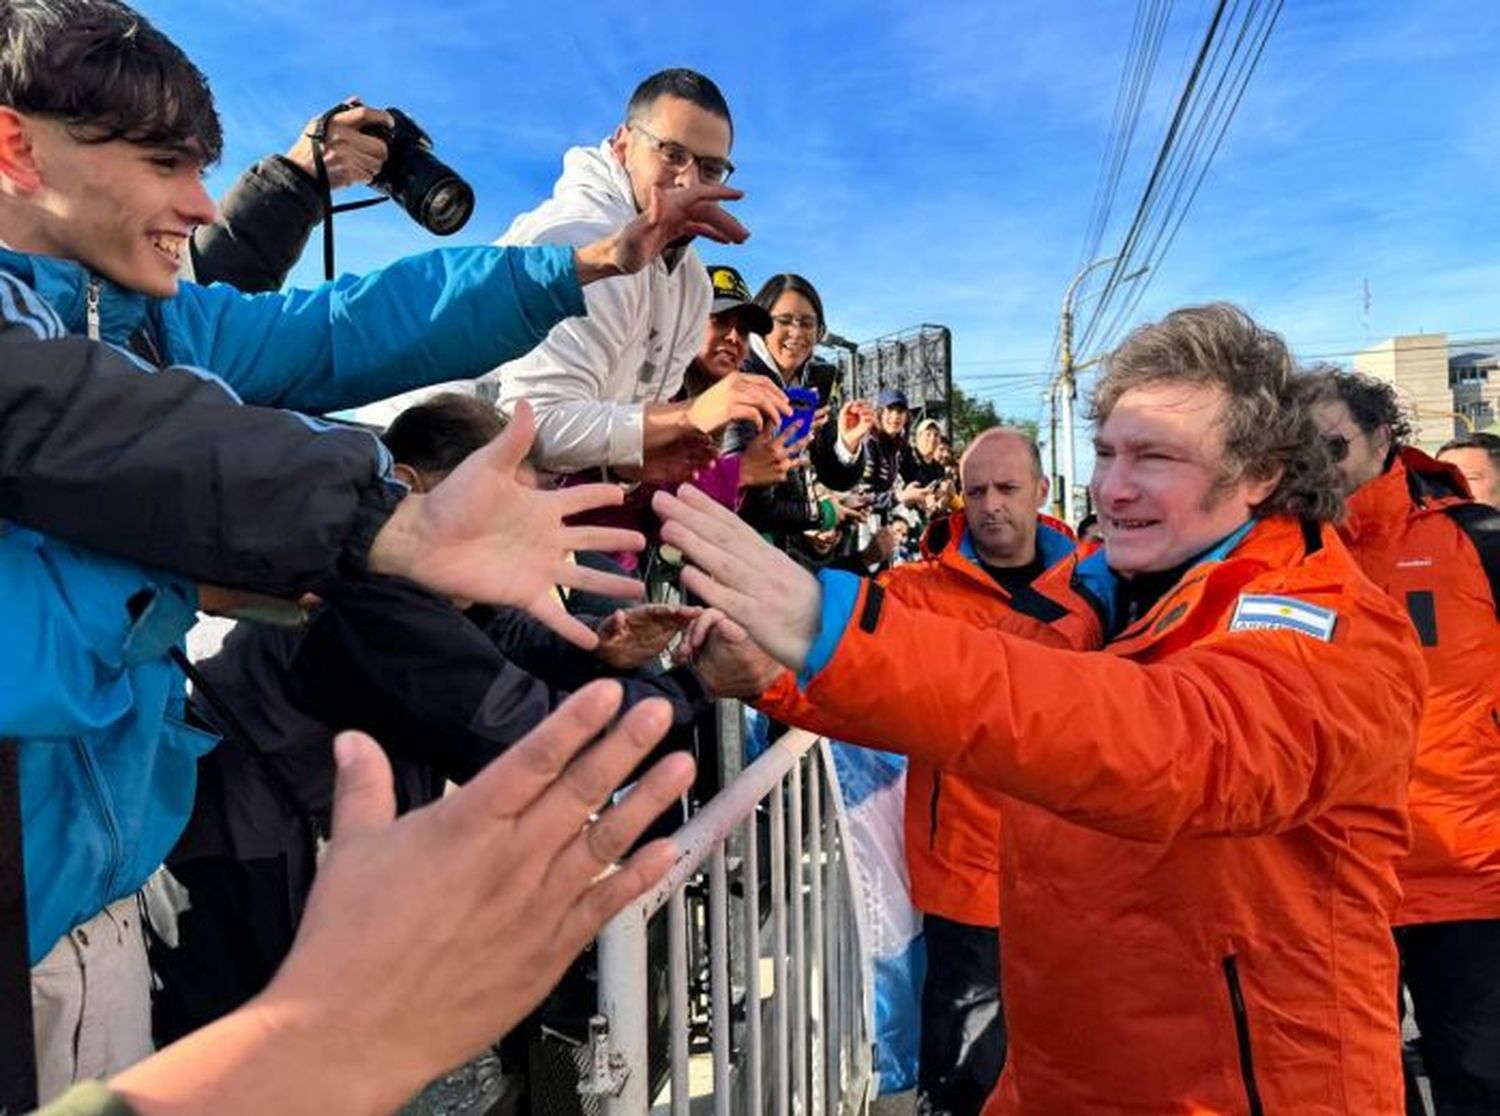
x,y
731,293
892,397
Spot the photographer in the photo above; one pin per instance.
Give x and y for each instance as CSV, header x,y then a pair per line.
x,y
268,214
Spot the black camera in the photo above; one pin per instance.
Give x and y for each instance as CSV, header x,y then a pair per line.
x,y
414,178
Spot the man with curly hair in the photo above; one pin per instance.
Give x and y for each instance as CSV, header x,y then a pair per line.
x,y
1204,792
1416,533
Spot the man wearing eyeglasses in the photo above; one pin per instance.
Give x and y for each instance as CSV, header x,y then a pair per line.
x,y
602,390
1416,534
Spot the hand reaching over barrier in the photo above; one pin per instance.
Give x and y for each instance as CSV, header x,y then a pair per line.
x,y
428,936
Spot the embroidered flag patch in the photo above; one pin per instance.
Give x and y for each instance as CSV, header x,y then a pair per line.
x,y
1254,612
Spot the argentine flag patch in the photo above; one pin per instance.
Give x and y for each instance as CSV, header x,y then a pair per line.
x,y
1261,613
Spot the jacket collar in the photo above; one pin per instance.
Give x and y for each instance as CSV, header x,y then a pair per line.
x,y
1217,575
64,286
947,541
1415,483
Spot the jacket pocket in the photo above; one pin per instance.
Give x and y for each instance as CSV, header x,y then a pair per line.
x,y
1242,1034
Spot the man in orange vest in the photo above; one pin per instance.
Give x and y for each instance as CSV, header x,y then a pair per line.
x,y
1416,533
1204,794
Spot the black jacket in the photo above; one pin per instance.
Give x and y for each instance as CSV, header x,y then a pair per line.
x,y
263,225
442,694
170,471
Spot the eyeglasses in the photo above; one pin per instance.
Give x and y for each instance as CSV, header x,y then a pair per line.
x,y
677,158
805,322
1338,446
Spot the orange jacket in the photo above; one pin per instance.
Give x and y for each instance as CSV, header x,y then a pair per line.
x,y
952,823
1400,529
1201,822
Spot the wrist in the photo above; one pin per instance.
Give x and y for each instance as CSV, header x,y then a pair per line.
x,y
665,423
597,260
394,549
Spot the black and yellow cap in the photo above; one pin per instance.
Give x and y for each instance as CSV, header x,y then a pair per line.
x,y
731,293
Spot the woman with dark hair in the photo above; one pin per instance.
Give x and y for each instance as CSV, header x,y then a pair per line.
x,y
785,511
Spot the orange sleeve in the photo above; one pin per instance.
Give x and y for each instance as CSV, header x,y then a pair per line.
x,y
1247,732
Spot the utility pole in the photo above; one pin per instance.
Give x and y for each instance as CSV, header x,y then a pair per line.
x,y
1067,387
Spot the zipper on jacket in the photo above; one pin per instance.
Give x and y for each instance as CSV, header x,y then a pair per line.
x,y
92,299
106,813
1242,1034
937,789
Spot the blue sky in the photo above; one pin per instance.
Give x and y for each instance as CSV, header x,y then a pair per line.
x,y
937,162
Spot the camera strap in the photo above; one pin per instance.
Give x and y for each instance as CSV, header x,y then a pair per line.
x,y
319,135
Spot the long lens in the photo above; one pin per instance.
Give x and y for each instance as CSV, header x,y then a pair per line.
x,y
447,206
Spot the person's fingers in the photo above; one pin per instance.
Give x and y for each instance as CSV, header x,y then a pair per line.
x,y
593,775
607,839
607,897
363,116
362,146
363,796
716,593
747,412
700,511
606,539
605,584
708,193
550,611
522,775
714,558
585,497
503,455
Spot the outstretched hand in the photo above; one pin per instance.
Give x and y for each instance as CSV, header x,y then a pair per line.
x,y
482,535
675,214
630,638
736,571
428,936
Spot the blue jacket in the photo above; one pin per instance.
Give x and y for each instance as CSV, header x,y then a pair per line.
x,y
107,765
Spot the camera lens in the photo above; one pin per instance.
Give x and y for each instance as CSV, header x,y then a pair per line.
x,y
447,207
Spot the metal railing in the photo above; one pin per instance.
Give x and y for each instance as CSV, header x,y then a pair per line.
x,y
789,1007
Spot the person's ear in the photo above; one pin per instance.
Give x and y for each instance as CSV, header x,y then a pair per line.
x,y
409,477
18,166
620,142
1043,487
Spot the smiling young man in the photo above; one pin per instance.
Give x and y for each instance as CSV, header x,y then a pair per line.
x,y
602,387
105,128
1204,794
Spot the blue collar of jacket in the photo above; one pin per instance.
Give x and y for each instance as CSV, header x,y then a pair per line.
x,y
64,286
1051,544
1101,584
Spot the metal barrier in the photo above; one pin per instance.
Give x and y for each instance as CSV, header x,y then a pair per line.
x,y
815,1055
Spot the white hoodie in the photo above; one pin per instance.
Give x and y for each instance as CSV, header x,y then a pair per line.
x,y
589,380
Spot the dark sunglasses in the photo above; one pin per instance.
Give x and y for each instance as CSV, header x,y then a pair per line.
x,y
1338,446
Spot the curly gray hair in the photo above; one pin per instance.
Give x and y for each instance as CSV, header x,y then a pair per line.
x,y
1267,429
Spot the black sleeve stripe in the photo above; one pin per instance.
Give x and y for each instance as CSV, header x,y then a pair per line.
x,y
869,616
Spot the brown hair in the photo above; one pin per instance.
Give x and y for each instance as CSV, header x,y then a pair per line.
x,y
1267,430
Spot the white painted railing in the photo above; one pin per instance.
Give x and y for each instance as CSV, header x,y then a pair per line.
x,y
815,1055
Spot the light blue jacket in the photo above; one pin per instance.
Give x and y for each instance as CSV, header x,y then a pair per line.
x,y
107,766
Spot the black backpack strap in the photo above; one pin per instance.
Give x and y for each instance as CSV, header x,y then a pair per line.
x,y
17,1041
1481,523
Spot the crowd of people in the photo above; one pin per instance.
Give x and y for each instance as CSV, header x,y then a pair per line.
x,y
1191,763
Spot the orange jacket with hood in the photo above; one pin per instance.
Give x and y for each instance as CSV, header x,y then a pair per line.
x,y
1401,528
1202,820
